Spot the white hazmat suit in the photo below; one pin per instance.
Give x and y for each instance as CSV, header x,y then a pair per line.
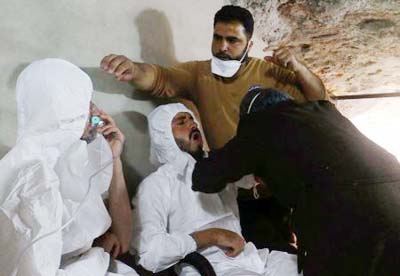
x,y
45,177
167,211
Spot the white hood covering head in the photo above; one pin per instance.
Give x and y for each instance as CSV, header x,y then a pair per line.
x,y
53,95
163,148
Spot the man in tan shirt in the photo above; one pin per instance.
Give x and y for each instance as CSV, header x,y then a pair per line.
x,y
217,86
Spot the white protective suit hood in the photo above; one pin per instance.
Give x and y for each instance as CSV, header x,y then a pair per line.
x,y
163,148
53,96
53,99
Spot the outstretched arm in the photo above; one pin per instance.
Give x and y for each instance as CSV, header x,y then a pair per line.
x,y
239,157
176,81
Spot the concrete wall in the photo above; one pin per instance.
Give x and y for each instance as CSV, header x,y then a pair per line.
x,y
163,32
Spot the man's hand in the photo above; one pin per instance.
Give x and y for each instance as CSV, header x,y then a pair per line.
x,y
282,56
113,134
230,242
140,75
311,85
110,243
120,66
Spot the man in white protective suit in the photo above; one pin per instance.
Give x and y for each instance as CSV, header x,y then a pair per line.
x,y
52,182
171,220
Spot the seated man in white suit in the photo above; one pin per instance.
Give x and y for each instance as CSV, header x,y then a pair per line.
x,y
52,181
171,220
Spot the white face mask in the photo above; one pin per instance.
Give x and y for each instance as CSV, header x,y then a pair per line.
x,y
226,68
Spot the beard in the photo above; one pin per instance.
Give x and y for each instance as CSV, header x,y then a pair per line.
x,y
196,153
225,56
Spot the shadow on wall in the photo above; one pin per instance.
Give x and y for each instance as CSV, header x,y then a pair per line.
x,y
12,81
3,150
156,44
107,83
139,137
156,40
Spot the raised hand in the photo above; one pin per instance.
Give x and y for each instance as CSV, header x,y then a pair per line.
x,y
282,56
120,66
113,134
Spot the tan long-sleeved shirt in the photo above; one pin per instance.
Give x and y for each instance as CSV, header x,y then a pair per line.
x,y
218,99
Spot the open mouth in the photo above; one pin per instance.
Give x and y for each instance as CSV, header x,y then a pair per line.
x,y
195,134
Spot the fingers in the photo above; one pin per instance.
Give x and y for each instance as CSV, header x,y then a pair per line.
x,y
110,130
105,62
124,69
118,65
231,242
236,248
116,250
111,244
281,56
269,58
107,118
107,130
108,243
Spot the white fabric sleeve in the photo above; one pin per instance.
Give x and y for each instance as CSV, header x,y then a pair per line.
x,y
157,249
246,182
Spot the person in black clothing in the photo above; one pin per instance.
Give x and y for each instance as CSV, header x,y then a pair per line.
x,y
344,188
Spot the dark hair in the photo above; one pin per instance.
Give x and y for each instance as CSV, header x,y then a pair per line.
x,y
231,13
260,98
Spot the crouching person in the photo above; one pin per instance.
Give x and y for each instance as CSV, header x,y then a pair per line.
x,y
171,220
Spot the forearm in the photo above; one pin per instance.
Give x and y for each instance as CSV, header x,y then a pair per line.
x,y
311,85
204,238
119,207
144,76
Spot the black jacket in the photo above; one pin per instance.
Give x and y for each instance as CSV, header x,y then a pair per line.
x,y
344,187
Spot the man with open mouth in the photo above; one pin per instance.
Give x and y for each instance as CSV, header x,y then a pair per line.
x,y
172,221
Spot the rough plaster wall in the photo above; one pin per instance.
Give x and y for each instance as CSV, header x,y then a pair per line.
x,y
353,45
163,31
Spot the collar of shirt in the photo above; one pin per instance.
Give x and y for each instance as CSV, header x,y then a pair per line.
x,y
184,164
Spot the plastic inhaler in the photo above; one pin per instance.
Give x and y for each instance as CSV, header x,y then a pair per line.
x,y
96,121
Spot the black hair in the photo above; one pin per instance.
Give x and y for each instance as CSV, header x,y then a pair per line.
x,y
231,13
260,98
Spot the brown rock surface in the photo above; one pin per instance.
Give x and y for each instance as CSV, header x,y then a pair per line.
x,y
354,46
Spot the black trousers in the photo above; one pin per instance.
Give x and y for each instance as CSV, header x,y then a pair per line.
x,y
351,231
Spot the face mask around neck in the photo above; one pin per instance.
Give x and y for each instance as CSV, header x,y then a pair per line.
x,y
226,68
